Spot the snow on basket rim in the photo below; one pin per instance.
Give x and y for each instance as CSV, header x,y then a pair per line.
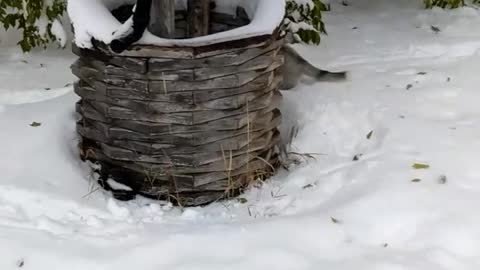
x,y
93,19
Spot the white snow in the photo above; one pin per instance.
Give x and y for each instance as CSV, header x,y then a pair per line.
x,y
59,32
117,210
92,19
118,186
27,79
41,25
329,212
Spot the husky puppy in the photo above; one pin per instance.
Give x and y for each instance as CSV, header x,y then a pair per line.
x,y
296,66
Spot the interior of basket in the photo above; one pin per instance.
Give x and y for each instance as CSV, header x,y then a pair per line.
x,y
219,21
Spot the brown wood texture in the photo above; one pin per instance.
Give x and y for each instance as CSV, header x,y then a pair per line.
x,y
162,18
190,123
198,20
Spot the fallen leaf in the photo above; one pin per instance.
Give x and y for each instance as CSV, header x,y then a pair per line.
x,y
419,166
357,157
416,180
442,179
409,86
435,29
369,135
35,124
242,200
334,220
308,186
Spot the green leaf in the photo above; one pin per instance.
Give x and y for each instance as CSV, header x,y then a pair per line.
x,y
444,3
369,135
35,124
23,16
242,200
334,220
420,166
306,13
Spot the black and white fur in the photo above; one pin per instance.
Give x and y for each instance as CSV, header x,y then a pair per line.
x,y
140,20
295,67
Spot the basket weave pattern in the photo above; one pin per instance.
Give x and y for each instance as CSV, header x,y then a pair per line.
x,y
192,124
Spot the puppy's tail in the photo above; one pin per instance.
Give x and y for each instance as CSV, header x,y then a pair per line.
x,y
323,75
140,20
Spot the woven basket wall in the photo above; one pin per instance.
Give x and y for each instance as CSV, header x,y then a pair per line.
x,y
189,124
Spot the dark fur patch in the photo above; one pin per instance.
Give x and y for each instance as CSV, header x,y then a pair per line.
x,y
141,18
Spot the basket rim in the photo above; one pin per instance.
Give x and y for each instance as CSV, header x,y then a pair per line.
x,y
189,52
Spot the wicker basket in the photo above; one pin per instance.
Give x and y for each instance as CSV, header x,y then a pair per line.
x,y
189,124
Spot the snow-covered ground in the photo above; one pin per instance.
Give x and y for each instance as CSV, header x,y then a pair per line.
x,y
412,99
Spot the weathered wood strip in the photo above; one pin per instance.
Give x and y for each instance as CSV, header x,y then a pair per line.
x,y
257,141
180,161
159,170
229,58
256,120
147,51
90,131
198,19
270,101
138,112
232,46
162,18
132,64
103,94
204,180
234,163
126,93
87,110
168,145
264,83
229,81
261,62
185,139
